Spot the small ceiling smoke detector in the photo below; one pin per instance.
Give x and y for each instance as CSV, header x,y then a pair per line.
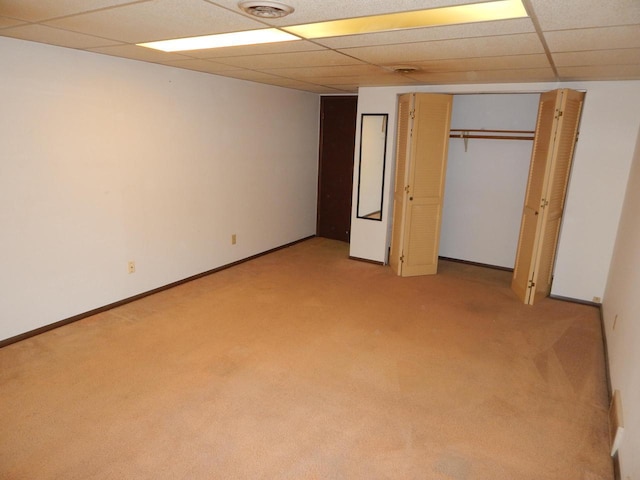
x,y
266,9
405,69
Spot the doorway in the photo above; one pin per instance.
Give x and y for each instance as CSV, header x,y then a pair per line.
x,y
335,170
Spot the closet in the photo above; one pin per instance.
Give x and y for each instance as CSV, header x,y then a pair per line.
x,y
421,160
487,176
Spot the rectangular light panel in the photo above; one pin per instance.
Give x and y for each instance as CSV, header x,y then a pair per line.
x,y
250,37
477,12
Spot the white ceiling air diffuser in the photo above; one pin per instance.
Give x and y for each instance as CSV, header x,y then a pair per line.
x,y
266,9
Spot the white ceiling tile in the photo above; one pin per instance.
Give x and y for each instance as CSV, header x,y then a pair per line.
x,y
626,56
521,44
298,85
264,49
600,72
593,38
279,81
503,27
138,53
199,65
488,76
9,22
385,80
157,20
37,10
55,36
307,11
328,90
567,14
309,87
367,80
348,88
484,63
289,82
334,71
251,75
290,60
321,89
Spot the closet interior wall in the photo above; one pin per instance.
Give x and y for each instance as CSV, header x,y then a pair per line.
x,y
485,184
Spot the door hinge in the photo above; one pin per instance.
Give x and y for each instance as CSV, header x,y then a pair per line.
x,y
560,113
406,189
401,258
544,203
412,114
531,284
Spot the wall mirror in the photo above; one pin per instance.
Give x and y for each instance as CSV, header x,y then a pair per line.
x,y
373,147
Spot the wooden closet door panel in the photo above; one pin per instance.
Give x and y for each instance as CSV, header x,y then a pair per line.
x,y
568,120
427,170
556,133
405,106
422,233
531,224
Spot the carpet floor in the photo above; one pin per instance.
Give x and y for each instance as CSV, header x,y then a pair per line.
x,y
303,364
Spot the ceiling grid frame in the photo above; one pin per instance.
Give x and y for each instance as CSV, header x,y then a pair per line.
x,y
598,41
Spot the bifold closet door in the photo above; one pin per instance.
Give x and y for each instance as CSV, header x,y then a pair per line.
x,y
403,144
421,162
556,134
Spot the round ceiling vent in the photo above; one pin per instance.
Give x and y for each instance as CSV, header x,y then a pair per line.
x,y
405,69
266,9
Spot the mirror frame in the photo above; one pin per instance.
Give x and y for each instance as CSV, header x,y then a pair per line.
x,y
375,215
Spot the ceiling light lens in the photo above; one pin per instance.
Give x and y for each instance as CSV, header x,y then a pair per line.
x,y
234,39
266,9
452,15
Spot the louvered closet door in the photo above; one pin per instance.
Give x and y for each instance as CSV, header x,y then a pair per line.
x,y
426,178
405,106
556,133
531,224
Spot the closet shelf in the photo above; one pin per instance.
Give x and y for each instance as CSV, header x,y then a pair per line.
x,y
492,134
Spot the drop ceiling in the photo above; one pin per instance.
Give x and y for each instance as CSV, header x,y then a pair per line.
x,y
561,40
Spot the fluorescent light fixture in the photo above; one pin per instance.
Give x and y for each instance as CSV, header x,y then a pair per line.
x,y
470,13
476,12
250,37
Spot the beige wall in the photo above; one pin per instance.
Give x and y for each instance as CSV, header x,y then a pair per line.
x,y
622,299
105,160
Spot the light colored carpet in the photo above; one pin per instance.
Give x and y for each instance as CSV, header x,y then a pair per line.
x,y
303,364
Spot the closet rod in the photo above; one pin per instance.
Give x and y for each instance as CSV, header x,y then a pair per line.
x,y
460,133
492,137
491,131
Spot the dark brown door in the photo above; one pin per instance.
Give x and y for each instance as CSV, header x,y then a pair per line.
x,y
335,176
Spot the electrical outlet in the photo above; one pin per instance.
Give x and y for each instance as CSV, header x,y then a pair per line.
x,y
233,239
131,267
